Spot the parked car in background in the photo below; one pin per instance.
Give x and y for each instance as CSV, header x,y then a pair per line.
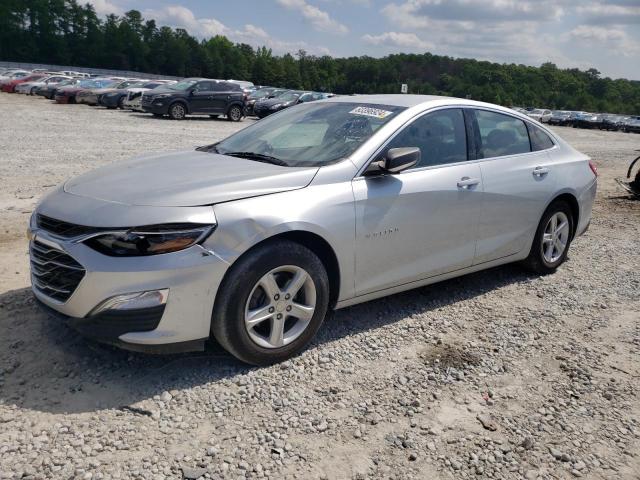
x,y
247,87
196,96
49,90
133,98
253,239
10,86
559,117
257,95
632,125
285,100
91,96
30,88
115,98
612,122
540,115
67,94
587,120
11,75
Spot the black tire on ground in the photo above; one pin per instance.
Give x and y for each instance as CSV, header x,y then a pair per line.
x,y
33,91
72,100
121,103
536,260
234,114
177,111
228,320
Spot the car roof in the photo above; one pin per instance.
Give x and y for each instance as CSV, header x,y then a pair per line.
x,y
397,100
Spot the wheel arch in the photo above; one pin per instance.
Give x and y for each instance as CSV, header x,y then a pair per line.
x,y
235,103
314,242
179,100
571,199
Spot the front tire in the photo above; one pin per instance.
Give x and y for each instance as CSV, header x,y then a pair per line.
x,y
552,240
177,111
271,303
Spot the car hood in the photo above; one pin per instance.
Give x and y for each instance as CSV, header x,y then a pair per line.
x,y
186,179
274,101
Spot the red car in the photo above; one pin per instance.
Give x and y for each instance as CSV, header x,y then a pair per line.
x,y
10,87
68,94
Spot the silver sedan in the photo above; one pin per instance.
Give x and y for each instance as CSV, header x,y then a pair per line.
x,y
324,205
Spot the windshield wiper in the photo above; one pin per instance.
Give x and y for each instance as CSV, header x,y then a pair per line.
x,y
259,157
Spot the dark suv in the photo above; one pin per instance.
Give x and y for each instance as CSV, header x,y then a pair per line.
x,y
196,96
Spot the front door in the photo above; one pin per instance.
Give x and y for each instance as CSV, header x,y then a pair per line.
x,y
421,222
202,98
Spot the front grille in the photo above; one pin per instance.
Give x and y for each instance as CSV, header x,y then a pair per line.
x,y
63,229
53,272
133,95
146,99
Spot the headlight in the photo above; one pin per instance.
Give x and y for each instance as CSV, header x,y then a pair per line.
x,y
277,105
151,240
164,95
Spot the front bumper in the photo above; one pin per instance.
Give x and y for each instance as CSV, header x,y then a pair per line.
x,y
89,99
155,108
192,277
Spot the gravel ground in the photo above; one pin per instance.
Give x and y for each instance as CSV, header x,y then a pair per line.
x,y
498,374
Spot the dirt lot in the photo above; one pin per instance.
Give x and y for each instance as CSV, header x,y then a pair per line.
x,y
498,374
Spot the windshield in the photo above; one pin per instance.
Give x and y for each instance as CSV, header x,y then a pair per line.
x,y
261,93
183,85
288,97
310,134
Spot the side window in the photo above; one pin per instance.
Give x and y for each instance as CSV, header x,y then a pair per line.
x,y
539,139
204,87
501,135
440,135
220,87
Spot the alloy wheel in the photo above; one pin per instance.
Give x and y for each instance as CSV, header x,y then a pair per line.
x,y
280,306
178,112
555,237
235,113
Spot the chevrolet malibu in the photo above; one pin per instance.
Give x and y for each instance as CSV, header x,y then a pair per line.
x,y
253,239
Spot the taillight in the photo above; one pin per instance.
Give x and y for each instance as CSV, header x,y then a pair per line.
x,y
593,168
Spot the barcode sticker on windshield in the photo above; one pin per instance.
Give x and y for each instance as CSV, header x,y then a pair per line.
x,y
371,112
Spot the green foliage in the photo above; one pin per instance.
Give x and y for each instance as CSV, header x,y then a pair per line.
x,y
66,32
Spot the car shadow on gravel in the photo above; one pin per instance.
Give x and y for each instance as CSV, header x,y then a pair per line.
x,y
194,118
48,367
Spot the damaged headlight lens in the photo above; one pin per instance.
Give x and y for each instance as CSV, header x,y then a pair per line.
x,y
151,240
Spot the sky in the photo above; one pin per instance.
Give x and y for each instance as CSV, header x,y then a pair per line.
x,y
601,34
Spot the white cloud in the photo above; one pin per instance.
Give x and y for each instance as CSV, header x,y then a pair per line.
x,y
181,17
105,7
616,39
397,39
319,19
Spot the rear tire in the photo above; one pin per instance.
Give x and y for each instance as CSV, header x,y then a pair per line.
x,y
552,239
234,114
259,282
177,111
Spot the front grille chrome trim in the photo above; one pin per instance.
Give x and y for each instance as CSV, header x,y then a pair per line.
x,y
54,273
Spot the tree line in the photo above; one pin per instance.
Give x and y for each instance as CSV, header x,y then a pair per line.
x,y
66,32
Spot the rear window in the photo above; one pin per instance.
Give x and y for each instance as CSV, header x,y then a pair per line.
x,y
539,139
501,135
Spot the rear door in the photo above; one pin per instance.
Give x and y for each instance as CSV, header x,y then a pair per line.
x,y
224,94
421,222
201,99
518,182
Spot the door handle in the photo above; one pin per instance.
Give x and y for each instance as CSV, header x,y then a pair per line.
x,y
540,171
466,182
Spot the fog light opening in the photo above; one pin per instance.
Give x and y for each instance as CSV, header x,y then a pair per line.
x,y
133,301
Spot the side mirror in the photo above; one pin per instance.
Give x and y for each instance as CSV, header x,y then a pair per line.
x,y
395,161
